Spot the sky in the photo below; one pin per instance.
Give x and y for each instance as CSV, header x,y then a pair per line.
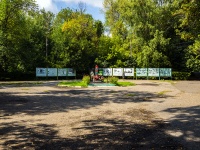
x,y
93,7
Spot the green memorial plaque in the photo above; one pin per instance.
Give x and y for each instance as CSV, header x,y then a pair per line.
x,y
141,72
153,72
165,72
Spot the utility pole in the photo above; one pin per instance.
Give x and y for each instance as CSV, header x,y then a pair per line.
x,y
131,48
46,46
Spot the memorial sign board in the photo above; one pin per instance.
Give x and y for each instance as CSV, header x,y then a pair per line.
x,y
62,72
52,72
71,72
165,72
128,71
117,72
107,71
141,72
41,72
153,72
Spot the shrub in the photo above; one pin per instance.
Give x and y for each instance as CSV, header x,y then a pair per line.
x,y
113,80
180,75
86,79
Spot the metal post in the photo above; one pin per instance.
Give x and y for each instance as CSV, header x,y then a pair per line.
x,y
46,47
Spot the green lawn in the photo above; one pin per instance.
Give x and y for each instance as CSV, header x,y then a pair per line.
x,y
125,84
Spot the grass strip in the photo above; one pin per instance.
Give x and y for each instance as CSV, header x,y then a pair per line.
x,y
125,84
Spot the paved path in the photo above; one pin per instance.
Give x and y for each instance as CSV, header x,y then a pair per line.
x,y
188,86
31,108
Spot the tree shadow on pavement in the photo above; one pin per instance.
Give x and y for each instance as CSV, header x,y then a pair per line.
x,y
104,134
64,100
185,125
119,134
17,135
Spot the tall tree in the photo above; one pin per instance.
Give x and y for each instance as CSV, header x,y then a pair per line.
x,y
59,54
77,35
36,48
137,24
13,29
188,28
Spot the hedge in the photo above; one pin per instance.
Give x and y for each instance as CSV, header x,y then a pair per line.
x,y
180,75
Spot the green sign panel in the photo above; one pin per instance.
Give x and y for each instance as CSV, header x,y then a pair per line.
x,y
62,72
41,72
165,72
55,72
71,72
141,72
52,72
153,72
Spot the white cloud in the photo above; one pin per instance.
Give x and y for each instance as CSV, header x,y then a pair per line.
x,y
95,3
48,5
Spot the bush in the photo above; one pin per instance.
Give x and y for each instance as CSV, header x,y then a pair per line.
x,y
86,79
113,80
180,75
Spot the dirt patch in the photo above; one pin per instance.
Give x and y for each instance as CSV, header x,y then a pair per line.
x,y
46,117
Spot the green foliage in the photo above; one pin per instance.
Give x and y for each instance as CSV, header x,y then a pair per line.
x,y
142,40
14,30
150,32
140,34
152,54
193,56
125,84
86,79
77,39
112,80
189,17
180,75
162,93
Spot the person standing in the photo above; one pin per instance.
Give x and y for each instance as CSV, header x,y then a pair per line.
x,y
91,75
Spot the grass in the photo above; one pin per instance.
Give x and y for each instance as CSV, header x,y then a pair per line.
x,y
73,84
83,84
125,84
163,93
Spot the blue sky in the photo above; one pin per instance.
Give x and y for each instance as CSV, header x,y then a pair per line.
x,y
93,7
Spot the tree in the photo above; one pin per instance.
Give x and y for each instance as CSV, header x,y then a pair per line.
x,y
76,39
188,28
13,29
37,47
59,54
137,25
152,54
